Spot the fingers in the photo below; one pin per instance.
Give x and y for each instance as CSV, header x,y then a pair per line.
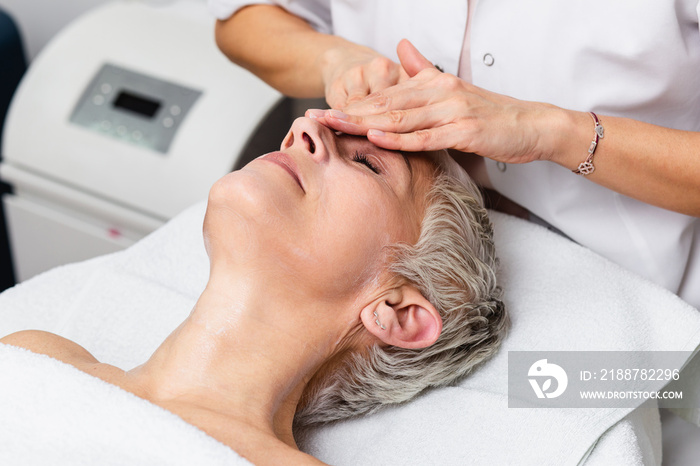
x,y
411,59
361,79
318,115
403,76
382,80
411,93
417,141
368,73
336,96
351,88
411,106
394,121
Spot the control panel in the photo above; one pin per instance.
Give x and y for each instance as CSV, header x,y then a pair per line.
x,y
133,107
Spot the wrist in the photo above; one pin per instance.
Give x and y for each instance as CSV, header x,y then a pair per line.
x,y
574,132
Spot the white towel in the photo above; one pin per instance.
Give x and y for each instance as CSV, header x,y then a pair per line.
x,y
634,440
52,413
561,297
120,307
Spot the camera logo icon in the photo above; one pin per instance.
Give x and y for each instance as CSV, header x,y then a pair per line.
x,y
544,371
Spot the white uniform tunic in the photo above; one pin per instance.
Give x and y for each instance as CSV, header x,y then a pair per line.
x,y
631,58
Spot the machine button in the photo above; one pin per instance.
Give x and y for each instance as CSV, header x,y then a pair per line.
x,y
175,110
106,88
98,100
168,122
489,60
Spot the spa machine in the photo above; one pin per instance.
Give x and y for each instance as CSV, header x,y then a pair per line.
x,y
125,119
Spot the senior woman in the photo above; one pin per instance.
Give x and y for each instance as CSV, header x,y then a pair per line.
x,y
520,80
343,278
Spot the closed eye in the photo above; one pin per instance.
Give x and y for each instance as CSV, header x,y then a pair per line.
x,y
362,158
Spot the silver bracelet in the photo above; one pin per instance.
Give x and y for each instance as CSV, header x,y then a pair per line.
x,y
586,167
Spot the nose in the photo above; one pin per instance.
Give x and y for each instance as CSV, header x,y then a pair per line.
x,y
311,137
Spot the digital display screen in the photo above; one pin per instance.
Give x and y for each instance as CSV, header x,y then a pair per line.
x,y
137,104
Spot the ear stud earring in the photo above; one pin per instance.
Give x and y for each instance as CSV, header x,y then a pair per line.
x,y
376,321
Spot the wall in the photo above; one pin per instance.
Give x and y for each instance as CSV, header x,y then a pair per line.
x,y
40,20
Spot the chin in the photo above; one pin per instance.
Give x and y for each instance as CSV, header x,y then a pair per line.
x,y
233,188
244,191
254,201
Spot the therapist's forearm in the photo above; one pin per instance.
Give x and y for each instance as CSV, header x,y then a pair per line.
x,y
280,48
657,165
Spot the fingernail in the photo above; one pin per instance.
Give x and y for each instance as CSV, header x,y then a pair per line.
x,y
315,113
376,133
337,114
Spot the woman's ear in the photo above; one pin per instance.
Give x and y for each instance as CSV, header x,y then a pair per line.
x,y
403,318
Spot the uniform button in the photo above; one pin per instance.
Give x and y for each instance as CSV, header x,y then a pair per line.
x,y
98,100
488,59
501,166
168,122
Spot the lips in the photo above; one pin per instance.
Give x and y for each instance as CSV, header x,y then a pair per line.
x,y
286,162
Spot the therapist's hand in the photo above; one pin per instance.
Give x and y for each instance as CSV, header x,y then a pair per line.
x,y
434,110
351,73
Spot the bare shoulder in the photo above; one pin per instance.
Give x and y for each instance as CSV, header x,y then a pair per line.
x,y
50,344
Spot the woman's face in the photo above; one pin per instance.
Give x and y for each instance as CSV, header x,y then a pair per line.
x,y
320,211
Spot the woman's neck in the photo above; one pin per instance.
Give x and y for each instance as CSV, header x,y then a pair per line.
x,y
245,353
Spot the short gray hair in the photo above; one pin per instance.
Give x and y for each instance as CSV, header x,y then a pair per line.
x,y
454,265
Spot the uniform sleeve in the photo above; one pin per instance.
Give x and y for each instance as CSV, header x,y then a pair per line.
x,y
224,9
316,12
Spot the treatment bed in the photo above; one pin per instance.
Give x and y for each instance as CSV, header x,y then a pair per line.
x,y
120,307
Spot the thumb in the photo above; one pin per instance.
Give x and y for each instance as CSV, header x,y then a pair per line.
x,y
411,59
